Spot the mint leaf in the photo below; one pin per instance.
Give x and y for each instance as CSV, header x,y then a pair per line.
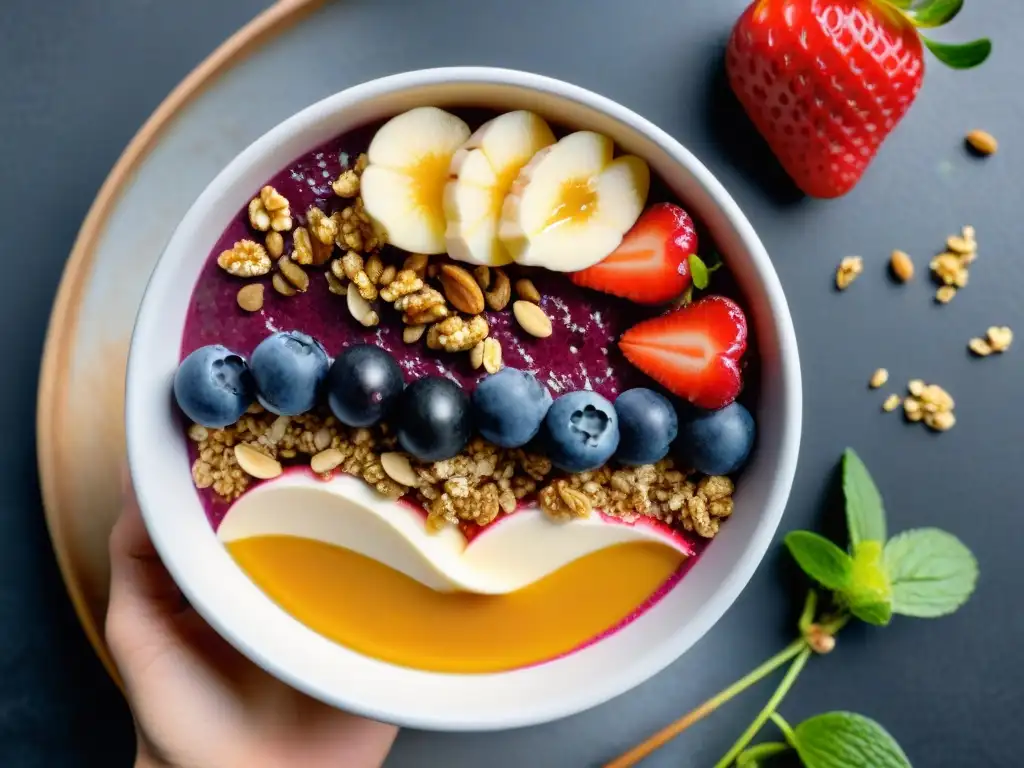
x,y
932,572
877,614
934,13
865,514
847,740
960,55
869,595
699,272
820,559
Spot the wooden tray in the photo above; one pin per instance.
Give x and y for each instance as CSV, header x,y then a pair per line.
x,y
137,208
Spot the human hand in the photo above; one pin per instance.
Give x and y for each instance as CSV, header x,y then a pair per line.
x,y
197,702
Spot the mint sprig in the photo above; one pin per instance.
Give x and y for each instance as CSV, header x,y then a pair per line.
x,y
924,573
865,513
846,740
932,573
820,559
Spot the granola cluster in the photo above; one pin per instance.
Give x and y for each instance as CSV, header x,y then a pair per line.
x,y
477,486
441,302
288,438
658,491
950,268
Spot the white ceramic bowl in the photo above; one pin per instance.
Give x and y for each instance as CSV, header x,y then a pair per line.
x,y
230,602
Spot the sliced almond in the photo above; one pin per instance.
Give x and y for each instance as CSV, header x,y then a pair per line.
x,y
322,438
501,290
334,285
491,357
961,246
275,244
476,356
293,273
416,262
462,290
398,467
527,290
359,307
980,347
278,428
326,461
532,319
374,268
282,286
256,463
483,276
413,333
250,297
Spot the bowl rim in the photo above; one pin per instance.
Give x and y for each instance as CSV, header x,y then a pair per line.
x,y
773,506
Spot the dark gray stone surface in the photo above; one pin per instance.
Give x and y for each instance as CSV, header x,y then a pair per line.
x,y
78,82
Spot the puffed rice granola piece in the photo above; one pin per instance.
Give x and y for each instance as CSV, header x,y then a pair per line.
x,y
270,210
456,335
406,282
245,258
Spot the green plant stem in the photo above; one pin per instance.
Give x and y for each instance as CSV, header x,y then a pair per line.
x,y
787,682
669,732
761,751
833,625
785,727
810,606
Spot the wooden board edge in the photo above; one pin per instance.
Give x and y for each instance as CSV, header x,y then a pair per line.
x,y
57,350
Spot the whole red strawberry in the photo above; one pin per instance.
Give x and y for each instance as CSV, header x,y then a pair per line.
x,y
825,81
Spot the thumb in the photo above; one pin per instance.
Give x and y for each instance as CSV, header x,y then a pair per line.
x,y
140,586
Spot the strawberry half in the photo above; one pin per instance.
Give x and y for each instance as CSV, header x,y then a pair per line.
x,y
651,264
825,81
693,351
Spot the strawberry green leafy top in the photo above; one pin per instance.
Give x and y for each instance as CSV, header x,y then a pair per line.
x,y
928,14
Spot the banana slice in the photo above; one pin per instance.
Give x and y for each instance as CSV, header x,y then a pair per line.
x,y
572,203
403,185
481,175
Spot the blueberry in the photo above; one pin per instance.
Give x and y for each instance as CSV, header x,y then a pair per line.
x,y
363,384
433,419
509,407
581,431
647,426
717,442
214,386
289,367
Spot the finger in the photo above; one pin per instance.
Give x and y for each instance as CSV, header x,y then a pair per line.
x,y
138,580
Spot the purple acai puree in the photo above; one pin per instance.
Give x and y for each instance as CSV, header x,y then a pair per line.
x,y
581,353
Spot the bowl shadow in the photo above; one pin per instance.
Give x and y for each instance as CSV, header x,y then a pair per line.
x,y
738,141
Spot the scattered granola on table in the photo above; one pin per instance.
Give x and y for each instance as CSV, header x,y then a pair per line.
x,y
931,404
950,268
849,270
997,339
878,378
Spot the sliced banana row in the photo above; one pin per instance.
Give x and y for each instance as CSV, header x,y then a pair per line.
x,y
508,192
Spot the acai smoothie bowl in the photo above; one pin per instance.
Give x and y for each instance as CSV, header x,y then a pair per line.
x,y
463,399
